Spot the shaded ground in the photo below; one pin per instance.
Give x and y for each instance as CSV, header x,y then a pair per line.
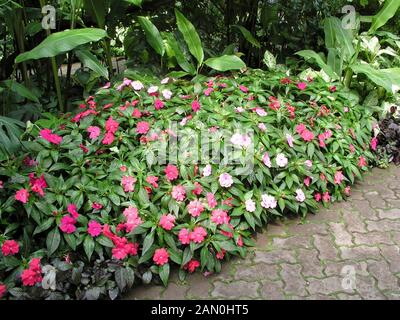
x,y
349,251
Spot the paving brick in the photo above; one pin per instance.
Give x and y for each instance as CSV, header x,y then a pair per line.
x,y
259,271
276,256
359,253
342,237
294,282
235,289
325,247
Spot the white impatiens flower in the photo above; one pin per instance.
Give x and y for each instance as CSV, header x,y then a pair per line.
x,y
300,196
165,80
281,160
268,202
137,85
152,89
250,205
167,94
225,180
207,170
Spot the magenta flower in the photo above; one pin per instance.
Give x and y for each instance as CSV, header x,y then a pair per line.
x,y
94,132
50,137
178,193
22,195
94,228
167,221
161,256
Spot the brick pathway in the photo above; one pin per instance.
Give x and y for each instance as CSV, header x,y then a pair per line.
x,y
315,258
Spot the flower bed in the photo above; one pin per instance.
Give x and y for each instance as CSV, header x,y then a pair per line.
x,y
93,203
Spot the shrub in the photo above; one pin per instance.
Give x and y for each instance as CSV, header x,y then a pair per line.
x,y
93,202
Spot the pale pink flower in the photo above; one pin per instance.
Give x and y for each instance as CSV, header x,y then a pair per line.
x,y
132,218
195,208
178,193
167,221
262,127
152,89
267,160
300,196
250,205
167,94
94,132
198,234
289,139
128,183
240,109
225,180
268,202
219,217
207,170
137,85
338,177
308,163
165,80
212,203
261,112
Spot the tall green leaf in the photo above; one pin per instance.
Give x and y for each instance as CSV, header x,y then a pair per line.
x,y
191,37
338,37
53,241
313,55
10,131
179,55
153,36
21,90
248,36
225,63
386,78
385,14
97,9
61,42
90,61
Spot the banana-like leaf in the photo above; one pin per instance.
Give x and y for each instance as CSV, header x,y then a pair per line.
x,y
137,3
179,55
97,9
338,37
191,37
384,15
225,63
248,36
153,36
321,63
386,78
90,61
20,89
335,62
61,42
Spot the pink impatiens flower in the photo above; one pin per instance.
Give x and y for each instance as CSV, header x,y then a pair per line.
x,y
326,197
219,216
347,190
108,138
267,160
195,208
362,162
302,85
195,105
9,248
51,137
225,180
72,210
37,184
94,228
67,224
243,89
171,172
97,206
161,256
94,132
374,143
198,234
152,180
338,177
289,140
22,195
212,203
167,94
128,183
308,163
132,218
178,193
111,125
3,290
184,236
307,181
33,274
142,127
207,170
167,221
158,104
192,265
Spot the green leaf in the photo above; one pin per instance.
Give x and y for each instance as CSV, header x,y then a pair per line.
x,y
148,242
386,78
164,273
88,246
44,226
269,60
248,36
53,241
187,256
71,240
21,90
191,37
61,42
179,56
97,9
104,241
338,37
137,3
153,36
313,55
225,63
384,15
90,61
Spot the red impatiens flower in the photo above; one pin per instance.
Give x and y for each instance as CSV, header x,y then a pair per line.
x,y
22,195
9,248
198,234
171,172
192,265
161,256
3,290
108,138
111,125
184,236
51,137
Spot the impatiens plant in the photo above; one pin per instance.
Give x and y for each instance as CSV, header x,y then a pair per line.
x,y
94,193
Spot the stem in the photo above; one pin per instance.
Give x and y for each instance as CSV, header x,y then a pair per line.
x,y
348,77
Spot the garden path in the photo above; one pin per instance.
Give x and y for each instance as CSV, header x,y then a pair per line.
x,y
348,251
